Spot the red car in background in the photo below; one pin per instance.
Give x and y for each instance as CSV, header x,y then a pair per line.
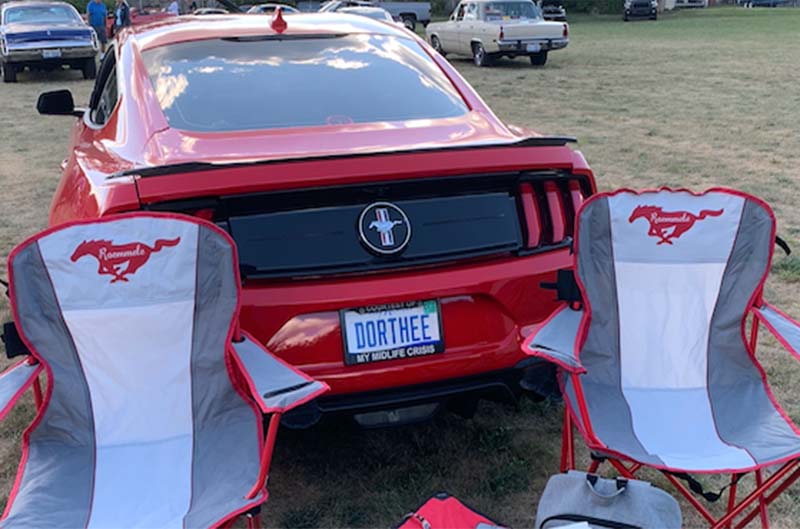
x,y
393,233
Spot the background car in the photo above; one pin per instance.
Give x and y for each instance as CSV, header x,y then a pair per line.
x,y
553,10
210,11
393,233
45,36
265,9
409,13
640,9
489,29
375,13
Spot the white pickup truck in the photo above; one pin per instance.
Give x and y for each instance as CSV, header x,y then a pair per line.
x,y
488,29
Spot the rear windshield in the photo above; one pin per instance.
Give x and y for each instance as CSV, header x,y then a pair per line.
x,y
265,83
510,11
41,14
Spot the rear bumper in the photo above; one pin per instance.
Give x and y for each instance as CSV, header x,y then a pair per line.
x,y
425,400
35,55
487,310
519,47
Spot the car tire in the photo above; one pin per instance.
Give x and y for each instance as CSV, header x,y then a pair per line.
x,y
479,55
89,68
538,59
9,73
409,22
437,45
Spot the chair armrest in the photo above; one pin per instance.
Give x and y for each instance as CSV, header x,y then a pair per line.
x,y
784,328
555,340
276,385
13,383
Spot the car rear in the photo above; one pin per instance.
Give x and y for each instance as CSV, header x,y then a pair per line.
x,y
46,36
392,234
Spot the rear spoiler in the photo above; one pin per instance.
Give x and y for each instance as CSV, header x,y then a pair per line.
x,y
192,167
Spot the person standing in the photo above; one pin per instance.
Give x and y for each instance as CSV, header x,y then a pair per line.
x,y
122,15
173,8
96,12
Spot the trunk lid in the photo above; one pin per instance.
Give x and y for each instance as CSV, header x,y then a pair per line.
x,y
530,29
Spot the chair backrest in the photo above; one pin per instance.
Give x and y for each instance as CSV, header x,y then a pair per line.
x,y
669,277
131,316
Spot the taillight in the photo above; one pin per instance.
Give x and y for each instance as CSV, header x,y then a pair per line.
x,y
502,34
565,33
549,208
576,197
558,218
533,221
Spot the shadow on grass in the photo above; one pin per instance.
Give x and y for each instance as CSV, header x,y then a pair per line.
x,y
337,475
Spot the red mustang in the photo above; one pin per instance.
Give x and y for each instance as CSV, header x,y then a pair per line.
x,y
393,233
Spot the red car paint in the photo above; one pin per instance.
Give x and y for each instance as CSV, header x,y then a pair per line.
x,y
489,304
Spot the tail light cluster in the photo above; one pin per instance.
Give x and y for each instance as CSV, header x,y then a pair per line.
x,y
549,209
565,32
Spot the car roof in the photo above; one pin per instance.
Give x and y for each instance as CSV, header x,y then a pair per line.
x,y
190,27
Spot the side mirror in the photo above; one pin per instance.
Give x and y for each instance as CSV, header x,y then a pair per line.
x,y
58,103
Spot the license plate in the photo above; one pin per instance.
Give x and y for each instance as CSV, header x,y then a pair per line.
x,y
534,48
392,332
51,54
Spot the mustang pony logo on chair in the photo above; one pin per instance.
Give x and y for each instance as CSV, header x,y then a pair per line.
x,y
111,257
668,225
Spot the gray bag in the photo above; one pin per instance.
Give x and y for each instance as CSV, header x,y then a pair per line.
x,y
577,497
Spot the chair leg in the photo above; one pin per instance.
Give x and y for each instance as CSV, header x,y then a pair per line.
x,y
254,521
37,393
732,497
762,506
567,444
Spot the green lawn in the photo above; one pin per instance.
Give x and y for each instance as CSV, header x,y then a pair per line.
x,y
698,98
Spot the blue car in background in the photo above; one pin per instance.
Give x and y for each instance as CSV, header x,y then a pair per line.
x,y
43,35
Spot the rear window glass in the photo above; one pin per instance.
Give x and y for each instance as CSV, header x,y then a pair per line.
x,y
266,83
41,14
510,11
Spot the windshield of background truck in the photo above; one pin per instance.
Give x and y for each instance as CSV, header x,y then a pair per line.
x,y
510,11
42,14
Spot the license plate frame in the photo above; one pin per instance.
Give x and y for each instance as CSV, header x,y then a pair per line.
x,y
533,47
51,54
381,352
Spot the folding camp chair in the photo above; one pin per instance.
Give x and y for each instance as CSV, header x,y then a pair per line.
x,y
151,415
658,368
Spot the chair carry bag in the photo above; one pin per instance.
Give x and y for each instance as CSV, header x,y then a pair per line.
x,y
576,497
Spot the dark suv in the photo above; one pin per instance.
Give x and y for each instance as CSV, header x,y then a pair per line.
x,y
640,9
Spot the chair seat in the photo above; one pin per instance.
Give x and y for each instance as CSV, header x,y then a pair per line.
x,y
687,430
146,485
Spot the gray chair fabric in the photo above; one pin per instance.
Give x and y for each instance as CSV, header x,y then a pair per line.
x,y
669,278
14,381
143,424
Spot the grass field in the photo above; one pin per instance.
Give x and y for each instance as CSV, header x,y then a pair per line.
x,y
696,99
